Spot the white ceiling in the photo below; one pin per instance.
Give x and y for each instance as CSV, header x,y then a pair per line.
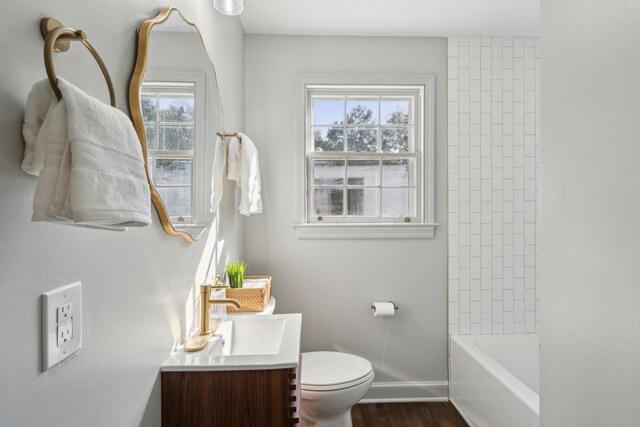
x,y
392,17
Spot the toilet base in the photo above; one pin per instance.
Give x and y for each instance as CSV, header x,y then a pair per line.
x,y
336,420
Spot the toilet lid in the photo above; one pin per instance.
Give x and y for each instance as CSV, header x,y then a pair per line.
x,y
331,369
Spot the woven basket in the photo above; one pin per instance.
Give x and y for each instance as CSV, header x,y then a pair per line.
x,y
251,299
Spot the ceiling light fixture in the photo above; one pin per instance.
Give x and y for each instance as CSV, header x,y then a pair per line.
x,y
229,7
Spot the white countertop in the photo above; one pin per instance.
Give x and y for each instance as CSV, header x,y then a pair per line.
x,y
220,354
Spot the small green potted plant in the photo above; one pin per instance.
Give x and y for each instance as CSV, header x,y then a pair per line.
x,y
235,273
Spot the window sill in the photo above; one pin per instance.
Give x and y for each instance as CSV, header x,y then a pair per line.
x,y
189,227
365,231
195,231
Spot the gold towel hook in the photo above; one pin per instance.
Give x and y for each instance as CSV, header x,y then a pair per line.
x,y
56,39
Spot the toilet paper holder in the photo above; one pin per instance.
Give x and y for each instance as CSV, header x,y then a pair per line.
x,y
395,307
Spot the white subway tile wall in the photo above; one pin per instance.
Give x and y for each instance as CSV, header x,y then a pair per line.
x,y
494,151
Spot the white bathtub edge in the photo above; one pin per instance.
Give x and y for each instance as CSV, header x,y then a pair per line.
x,y
461,412
520,389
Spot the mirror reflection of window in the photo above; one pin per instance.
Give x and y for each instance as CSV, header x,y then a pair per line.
x,y
176,109
169,111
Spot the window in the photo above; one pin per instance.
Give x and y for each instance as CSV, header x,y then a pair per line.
x,y
173,109
367,154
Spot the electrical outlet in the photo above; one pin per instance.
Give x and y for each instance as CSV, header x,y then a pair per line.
x,y
65,312
61,324
65,332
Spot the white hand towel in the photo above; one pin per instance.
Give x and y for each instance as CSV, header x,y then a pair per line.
x,y
217,177
108,184
233,162
40,101
244,168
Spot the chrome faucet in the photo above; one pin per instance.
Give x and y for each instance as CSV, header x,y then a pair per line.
x,y
200,340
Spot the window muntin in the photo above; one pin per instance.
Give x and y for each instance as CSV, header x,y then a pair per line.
x,y
169,111
363,154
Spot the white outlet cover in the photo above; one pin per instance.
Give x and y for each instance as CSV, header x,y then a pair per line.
x,y
51,302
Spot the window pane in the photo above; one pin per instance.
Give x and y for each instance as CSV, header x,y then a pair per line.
x,y
328,111
328,201
363,172
178,138
362,111
151,164
395,140
362,140
362,201
397,202
177,109
328,172
328,138
173,172
177,201
397,172
149,108
150,134
395,111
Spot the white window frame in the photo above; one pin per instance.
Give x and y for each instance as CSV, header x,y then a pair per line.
x,y
199,187
423,224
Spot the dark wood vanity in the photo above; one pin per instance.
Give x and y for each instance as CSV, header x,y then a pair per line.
x,y
248,375
256,398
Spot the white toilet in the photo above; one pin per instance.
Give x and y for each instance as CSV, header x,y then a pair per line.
x,y
331,384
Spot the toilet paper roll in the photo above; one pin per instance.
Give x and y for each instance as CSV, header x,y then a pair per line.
x,y
383,309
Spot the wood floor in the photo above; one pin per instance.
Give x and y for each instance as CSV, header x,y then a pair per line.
x,y
420,414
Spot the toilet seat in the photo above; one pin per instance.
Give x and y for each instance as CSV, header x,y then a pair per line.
x,y
334,387
330,370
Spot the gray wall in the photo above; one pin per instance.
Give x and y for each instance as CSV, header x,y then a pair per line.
x,y
589,213
137,285
333,282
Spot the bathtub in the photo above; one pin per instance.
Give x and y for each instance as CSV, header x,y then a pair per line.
x,y
494,380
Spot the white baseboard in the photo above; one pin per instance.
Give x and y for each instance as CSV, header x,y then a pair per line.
x,y
414,391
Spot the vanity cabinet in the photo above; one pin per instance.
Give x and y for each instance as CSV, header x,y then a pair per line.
x,y
249,398
248,375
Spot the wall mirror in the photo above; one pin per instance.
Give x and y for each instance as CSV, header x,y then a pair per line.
x,y
176,109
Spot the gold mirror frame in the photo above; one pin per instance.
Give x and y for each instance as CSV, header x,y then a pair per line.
x,y
144,32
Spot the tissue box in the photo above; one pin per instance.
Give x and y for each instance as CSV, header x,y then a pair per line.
x,y
253,295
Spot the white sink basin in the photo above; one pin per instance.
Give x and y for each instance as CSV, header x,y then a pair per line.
x,y
248,337
245,343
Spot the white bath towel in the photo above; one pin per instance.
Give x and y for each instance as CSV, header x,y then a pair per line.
x,y
217,177
56,168
53,137
108,183
39,102
244,168
93,173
